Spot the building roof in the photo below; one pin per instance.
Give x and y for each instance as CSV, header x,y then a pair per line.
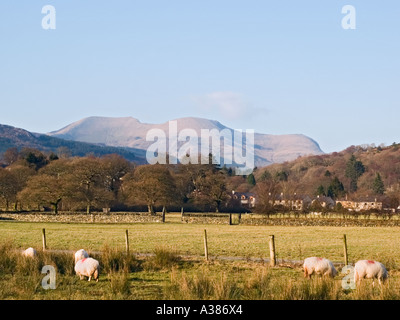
x,y
246,194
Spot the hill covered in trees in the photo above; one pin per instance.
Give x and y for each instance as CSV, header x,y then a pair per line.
x,y
11,137
357,173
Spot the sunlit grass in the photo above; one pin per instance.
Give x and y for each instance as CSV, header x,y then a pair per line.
x,y
292,243
165,276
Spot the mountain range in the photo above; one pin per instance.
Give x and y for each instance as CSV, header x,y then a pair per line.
x,y
127,136
129,132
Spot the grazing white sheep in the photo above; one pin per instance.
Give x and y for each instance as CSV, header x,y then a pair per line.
x,y
88,267
370,269
81,254
321,266
29,253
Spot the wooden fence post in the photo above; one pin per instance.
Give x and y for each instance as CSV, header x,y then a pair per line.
x,y
346,259
181,213
272,251
126,242
163,214
44,238
205,245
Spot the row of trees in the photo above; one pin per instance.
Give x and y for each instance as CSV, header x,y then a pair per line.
x,y
33,180
79,182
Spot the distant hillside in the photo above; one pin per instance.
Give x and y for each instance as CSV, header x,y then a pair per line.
x,y
14,137
130,132
306,174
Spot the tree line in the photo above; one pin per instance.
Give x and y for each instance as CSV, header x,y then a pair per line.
x,y
32,180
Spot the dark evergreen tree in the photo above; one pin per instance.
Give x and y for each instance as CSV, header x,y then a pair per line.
x,y
321,191
282,176
335,189
354,170
251,180
327,173
378,186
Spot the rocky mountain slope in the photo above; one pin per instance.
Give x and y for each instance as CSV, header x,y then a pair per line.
x,y
129,132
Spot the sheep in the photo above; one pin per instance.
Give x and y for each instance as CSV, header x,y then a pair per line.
x,y
88,267
321,266
370,269
29,253
81,254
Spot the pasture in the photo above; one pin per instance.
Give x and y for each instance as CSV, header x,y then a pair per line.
x,y
166,261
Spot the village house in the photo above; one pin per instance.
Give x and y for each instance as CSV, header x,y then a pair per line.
x,y
324,202
360,205
247,199
295,202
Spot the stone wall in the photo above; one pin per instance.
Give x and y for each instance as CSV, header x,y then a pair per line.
x,y
196,218
205,218
131,217
320,222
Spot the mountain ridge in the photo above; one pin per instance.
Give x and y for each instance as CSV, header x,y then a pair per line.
x,y
129,132
12,137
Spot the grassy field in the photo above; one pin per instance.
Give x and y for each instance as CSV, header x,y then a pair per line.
x,y
292,243
164,275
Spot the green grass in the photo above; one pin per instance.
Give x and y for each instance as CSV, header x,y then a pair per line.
x,y
128,278
166,275
292,243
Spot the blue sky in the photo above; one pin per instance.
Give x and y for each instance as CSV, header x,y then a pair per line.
x,y
276,67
